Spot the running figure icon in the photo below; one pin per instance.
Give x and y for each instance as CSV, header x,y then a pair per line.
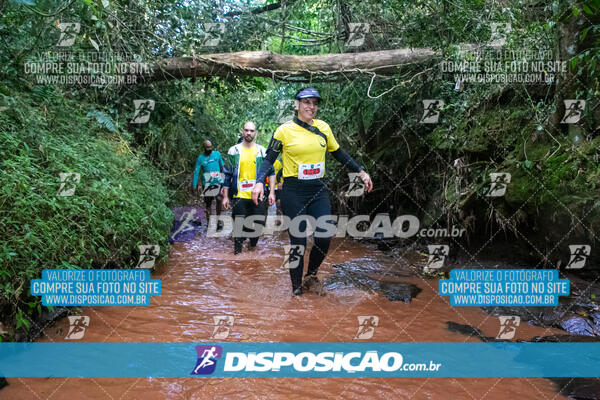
x,y
207,359
206,362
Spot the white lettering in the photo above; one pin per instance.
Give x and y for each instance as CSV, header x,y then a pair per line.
x,y
235,362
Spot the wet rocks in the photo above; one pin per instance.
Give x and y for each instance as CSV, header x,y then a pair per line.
x,y
368,275
578,388
577,314
370,266
466,330
570,315
566,338
578,325
397,291
469,330
40,323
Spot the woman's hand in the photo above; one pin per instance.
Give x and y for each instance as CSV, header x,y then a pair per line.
x,y
258,192
366,180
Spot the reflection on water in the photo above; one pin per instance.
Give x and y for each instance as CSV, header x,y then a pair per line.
x,y
203,280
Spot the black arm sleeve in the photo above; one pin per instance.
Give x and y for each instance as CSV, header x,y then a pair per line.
x,y
347,161
266,167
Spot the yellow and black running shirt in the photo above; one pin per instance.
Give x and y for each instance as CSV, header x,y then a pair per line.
x,y
303,152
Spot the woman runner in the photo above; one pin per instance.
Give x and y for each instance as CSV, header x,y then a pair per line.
x,y
302,144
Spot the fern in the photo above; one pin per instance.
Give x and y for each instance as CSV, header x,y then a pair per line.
x,y
103,119
43,94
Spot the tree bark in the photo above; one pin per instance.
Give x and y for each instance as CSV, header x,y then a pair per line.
x,y
259,10
289,67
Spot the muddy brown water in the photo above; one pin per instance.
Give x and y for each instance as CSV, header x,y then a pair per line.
x,y
203,279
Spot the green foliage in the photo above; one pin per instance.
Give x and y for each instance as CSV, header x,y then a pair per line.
x,y
118,204
21,320
103,119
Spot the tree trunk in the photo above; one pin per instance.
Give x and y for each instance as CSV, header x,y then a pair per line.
x,y
288,67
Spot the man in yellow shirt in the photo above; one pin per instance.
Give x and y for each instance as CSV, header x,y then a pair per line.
x,y
243,162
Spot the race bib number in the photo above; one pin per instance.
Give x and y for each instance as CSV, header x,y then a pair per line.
x,y
311,171
246,186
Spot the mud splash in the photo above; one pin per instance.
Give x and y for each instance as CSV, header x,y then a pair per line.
x,y
203,279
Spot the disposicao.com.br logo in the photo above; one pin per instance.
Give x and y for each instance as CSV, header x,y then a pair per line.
x,y
358,226
285,363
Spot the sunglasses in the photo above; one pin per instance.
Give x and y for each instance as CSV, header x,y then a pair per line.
x,y
314,102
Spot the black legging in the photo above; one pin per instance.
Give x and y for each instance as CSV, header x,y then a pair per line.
x,y
246,208
306,197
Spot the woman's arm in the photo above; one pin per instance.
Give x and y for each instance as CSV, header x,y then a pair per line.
x,y
344,158
348,162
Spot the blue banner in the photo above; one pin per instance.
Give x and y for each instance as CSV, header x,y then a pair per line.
x,y
504,287
499,359
95,287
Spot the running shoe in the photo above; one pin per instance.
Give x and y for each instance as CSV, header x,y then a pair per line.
x,y
313,284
